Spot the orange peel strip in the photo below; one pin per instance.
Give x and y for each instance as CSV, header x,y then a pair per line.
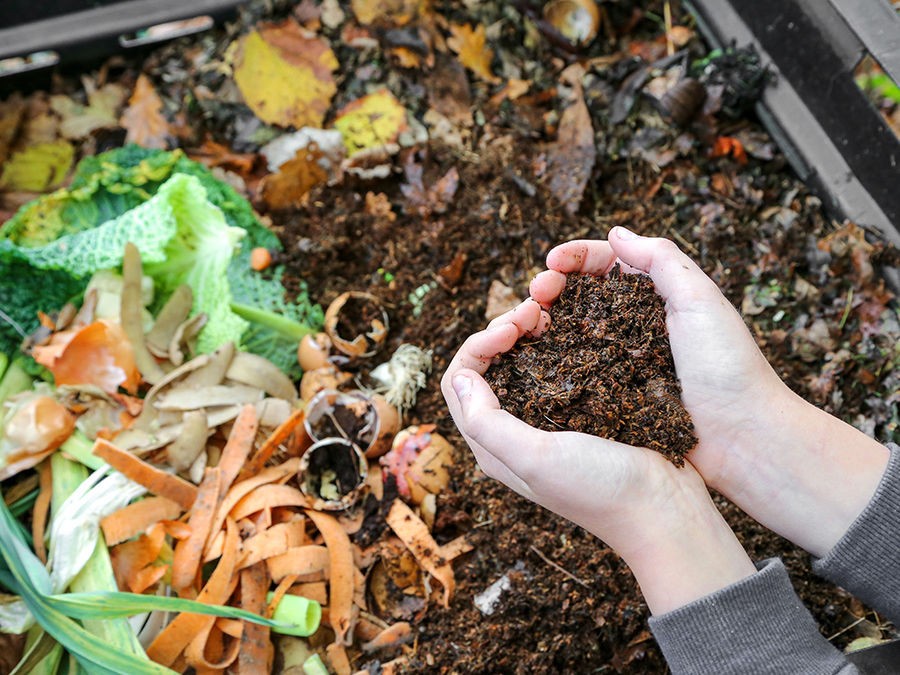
x,y
413,532
189,552
168,646
156,481
135,518
340,574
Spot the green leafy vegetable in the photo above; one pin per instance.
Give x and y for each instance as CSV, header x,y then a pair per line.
x,y
185,223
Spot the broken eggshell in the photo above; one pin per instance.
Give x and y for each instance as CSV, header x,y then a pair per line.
x,y
419,460
313,351
314,381
332,473
396,585
576,20
356,323
367,421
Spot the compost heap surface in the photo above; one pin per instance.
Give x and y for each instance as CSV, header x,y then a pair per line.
x,y
507,172
604,367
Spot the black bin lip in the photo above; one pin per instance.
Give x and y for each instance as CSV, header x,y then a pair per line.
x,y
96,32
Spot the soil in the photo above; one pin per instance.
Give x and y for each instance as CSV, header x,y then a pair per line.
x,y
604,367
584,612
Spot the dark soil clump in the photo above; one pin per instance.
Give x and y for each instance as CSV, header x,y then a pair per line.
x,y
603,368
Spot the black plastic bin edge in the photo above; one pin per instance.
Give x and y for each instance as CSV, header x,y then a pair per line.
x,y
70,33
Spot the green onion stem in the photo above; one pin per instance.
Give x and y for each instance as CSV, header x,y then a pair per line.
x,y
315,666
15,380
80,448
276,322
97,574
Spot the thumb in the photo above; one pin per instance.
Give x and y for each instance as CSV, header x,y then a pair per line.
x,y
678,279
474,395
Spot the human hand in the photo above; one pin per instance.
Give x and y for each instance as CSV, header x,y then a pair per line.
x,y
659,518
794,468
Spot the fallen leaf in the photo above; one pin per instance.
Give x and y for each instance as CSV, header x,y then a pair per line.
x,y
101,111
371,121
725,146
214,154
571,158
397,12
424,201
474,54
12,111
285,74
501,298
143,118
38,167
378,205
294,179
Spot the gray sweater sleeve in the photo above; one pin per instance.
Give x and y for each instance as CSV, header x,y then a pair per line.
x,y
759,625
753,627
866,560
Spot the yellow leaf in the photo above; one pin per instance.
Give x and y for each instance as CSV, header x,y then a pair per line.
x,y
38,167
285,75
101,111
473,53
371,121
398,12
143,119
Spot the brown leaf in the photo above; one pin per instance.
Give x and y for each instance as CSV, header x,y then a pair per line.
x,y
424,201
501,298
294,179
474,54
143,118
571,159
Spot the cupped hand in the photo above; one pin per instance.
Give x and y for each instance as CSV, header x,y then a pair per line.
x,y
793,467
658,517
727,385
599,484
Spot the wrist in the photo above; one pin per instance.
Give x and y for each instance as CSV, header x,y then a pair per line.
x,y
684,554
806,474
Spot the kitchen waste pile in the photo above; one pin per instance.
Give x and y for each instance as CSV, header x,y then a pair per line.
x,y
171,500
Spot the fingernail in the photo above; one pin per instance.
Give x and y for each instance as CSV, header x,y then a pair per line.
x,y
462,385
625,234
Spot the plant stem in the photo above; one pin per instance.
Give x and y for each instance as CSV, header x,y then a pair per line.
x,y
276,322
97,574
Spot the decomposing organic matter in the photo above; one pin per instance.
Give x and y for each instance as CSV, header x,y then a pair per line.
x,y
604,368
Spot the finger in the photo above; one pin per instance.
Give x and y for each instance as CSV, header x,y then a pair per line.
x,y
525,317
543,324
582,255
678,279
546,287
479,349
494,468
483,422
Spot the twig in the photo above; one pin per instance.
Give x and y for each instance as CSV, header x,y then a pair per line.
x,y
558,568
667,17
847,309
846,628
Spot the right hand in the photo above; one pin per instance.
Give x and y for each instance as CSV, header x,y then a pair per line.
x,y
776,456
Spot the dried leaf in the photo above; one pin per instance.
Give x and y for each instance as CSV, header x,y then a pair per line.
x,y
571,159
397,12
285,74
296,178
473,53
436,198
12,112
371,121
501,298
38,167
101,111
143,119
